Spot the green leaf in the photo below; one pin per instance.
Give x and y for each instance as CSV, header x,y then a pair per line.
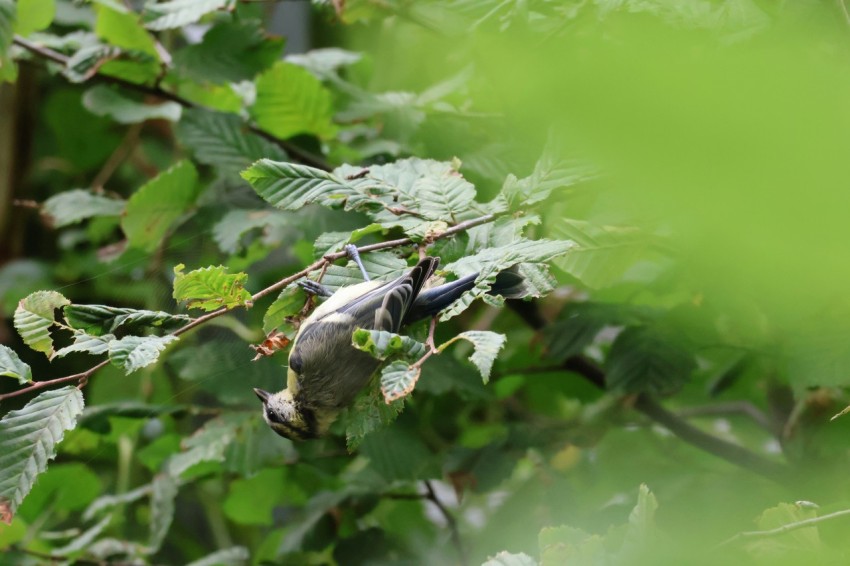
x,y
159,203
34,15
233,556
602,254
569,545
399,455
648,359
208,444
135,352
487,345
324,62
34,317
641,531
290,186
289,302
506,558
178,13
103,100
398,380
291,101
251,501
229,232
163,494
550,173
445,196
123,28
382,344
28,440
369,412
230,52
70,207
108,502
88,344
379,265
331,242
102,319
12,366
210,288
576,327
806,539
489,262
223,140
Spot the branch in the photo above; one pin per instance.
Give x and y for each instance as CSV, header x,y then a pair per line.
x,y
82,378
296,152
450,521
732,453
786,528
730,408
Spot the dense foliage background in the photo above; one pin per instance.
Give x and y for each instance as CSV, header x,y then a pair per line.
x,y
669,176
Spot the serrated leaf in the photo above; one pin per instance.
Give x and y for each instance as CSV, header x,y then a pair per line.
x,y
550,173
445,197
489,262
398,380
369,412
487,345
223,140
135,352
70,207
229,232
233,556
648,359
331,242
106,502
291,101
102,319
602,253
28,440
103,100
289,302
230,52
178,13
34,15
34,317
290,186
381,344
12,366
88,344
123,28
207,444
379,265
157,204
324,62
640,531
210,288
163,494
86,61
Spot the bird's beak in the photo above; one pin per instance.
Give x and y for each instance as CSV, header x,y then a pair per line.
x,y
263,395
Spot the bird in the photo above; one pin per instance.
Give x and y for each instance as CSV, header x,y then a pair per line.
x,y
325,371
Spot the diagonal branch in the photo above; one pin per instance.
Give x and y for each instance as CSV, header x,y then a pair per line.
x,y
732,453
319,264
786,527
293,150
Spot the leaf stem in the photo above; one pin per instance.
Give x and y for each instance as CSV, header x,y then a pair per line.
x,y
323,263
786,527
450,521
293,150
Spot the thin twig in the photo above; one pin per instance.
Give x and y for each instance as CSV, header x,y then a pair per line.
x,y
450,521
319,264
786,528
294,151
117,158
732,453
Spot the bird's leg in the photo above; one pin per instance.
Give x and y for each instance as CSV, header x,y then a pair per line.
x,y
314,288
352,252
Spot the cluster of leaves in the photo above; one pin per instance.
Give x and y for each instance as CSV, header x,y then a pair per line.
x,y
174,134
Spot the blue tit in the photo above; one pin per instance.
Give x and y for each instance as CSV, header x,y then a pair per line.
x,y
326,372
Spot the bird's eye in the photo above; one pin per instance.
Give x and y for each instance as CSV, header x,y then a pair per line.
x,y
272,416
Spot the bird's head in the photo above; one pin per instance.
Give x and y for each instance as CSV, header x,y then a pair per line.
x,y
287,417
